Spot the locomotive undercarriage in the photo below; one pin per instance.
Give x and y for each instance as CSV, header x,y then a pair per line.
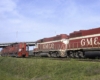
x,y
50,53
13,55
75,54
78,53
53,54
84,53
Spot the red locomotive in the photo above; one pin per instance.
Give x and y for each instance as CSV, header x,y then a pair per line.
x,y
16,49
78,44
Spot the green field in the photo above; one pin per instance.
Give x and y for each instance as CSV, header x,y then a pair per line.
x,y
47,69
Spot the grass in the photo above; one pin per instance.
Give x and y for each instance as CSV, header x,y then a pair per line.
x,y
47,69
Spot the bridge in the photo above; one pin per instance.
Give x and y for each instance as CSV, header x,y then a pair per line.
x,y
27,43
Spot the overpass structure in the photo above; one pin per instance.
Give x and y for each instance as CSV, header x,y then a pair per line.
x,y
27,43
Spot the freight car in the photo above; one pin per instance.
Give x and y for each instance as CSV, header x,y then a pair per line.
x,y
15,50
78,44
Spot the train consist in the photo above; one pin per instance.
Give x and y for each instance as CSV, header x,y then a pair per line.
x,y
15,50
78,44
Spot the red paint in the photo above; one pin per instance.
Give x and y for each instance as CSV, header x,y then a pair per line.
x,y
84,42
17,49
57,37
84,32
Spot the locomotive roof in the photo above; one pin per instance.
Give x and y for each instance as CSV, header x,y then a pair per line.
x,y
57,37
71,35
84,32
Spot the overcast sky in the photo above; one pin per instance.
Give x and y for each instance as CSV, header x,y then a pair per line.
x,y
30,20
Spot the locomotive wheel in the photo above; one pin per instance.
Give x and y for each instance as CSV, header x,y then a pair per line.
x,y
71,54
57,54
54,54
51,54
81,54
76,55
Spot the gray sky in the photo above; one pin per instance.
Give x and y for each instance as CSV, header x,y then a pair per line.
x,y
30,20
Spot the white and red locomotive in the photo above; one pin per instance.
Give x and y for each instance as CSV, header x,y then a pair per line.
x,y
78,44
53,46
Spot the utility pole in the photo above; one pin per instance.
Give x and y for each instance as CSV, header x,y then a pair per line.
x,y
16,35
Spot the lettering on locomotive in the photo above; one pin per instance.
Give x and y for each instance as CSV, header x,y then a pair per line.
x,y
90,41
48,46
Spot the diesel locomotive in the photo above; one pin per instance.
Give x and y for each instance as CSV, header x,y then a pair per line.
x,y
78,44
15,50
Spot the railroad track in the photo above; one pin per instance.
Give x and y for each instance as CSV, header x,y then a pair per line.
x,y
69,59
89,60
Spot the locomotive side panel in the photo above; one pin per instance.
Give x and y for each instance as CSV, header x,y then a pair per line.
x,y
85,42
53,48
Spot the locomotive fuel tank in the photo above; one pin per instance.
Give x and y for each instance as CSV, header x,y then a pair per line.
x,y
92,54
